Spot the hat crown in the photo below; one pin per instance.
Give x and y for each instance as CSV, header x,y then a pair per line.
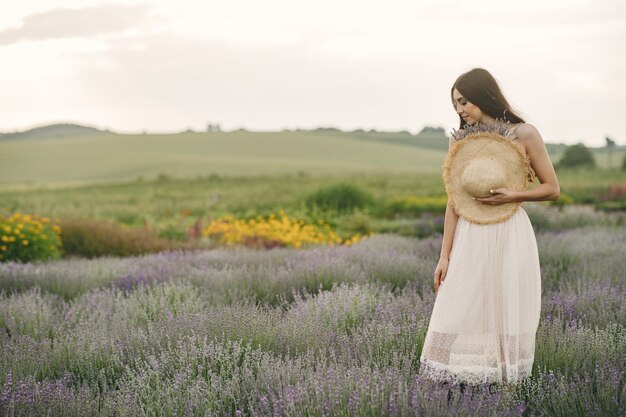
x,y
481,175
481,161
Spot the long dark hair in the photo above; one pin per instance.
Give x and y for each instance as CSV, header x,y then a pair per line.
x,y
480,88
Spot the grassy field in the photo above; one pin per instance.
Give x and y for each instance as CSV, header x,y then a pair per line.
x,y
132,202
125,180
82,160
122,157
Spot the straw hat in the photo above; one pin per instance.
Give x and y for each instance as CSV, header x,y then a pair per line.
x,y
481,159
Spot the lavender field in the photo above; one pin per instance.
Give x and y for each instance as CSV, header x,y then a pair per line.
x,y
313,332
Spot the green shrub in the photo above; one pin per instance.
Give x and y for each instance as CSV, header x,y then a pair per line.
x,y
422,227
577,156
93,238
611,205
414,206
357,222
564,199
26,238
342,198
546,217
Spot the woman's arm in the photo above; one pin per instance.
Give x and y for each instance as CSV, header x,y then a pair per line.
x,y
549,188
449,226
449,223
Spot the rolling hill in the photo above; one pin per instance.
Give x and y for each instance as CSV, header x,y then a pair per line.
x,y
102,157
73,155
61,130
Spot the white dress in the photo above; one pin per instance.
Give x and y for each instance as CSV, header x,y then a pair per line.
x,y
486,313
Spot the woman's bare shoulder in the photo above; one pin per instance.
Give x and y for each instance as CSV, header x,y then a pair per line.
x,y
527,131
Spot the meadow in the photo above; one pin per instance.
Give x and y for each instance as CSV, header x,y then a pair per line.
x,y
134,201
57,161
315,331
115,157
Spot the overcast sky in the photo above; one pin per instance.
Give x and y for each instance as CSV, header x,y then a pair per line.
x,y
170,65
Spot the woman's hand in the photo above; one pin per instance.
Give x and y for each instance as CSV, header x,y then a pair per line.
x,y
440,272
499,196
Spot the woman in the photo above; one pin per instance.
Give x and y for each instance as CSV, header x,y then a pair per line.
x,y
484,320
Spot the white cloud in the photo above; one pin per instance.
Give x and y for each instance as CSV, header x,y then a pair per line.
x,y
68,23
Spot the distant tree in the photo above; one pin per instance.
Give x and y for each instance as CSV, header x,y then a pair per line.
x,y
429,129
327,129
213,128
610,145
577,156
624,163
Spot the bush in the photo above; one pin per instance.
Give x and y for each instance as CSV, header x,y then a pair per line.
x,y
576,156
357,222
26,238
414,206
564,199
273,232
93,238
342,198
425,226
546,217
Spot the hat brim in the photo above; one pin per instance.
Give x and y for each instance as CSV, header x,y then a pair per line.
x,y
485,145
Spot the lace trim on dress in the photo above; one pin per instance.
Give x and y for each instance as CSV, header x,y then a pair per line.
x,y
475,374
475,359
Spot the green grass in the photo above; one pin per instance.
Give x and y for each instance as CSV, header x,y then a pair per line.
x,y
104,157
133,201
129,202
130,179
